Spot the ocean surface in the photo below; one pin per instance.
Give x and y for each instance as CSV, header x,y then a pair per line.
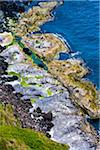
x,y
78,23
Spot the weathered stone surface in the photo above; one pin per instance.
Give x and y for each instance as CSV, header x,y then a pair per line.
x,y
53,109
33,82
14,54
66,67
47,45
83,92
3,65
6,38
69,125
31,21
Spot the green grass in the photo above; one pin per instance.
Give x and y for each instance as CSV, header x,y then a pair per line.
x,y
30,139
7,116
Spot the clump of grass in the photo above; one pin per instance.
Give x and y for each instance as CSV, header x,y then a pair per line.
x,y
12,144
7,116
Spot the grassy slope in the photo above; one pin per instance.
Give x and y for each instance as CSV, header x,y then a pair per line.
x,y
32,139
12,137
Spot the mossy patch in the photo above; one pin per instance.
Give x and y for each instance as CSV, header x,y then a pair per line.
x,y
49,92
12,144
14,74
83,93
33,100
39,77
23,82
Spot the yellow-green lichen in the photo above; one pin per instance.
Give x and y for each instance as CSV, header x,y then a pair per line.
x,y
49,92
83,93
14,74
33,100
39,77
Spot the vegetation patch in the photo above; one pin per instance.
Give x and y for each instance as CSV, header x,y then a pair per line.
x,y
7,115
12,138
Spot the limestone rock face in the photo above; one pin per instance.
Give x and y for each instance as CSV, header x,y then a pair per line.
x,y
69,125
55,100
33,82
13,54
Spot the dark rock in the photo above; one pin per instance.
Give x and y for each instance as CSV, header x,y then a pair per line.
x,y
48,116
9,88
8,79
10,9
27,51
41,65
48,135
2,48
19,95
50,125
3,65
2,58
38,110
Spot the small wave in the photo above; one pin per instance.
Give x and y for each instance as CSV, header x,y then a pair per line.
x,y
63,39
75,54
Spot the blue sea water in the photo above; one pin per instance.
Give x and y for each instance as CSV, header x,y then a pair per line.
x,y
78,23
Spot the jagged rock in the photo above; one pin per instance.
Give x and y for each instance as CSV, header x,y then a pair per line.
x,y
2,48
83,92
70,126
59,114
69,66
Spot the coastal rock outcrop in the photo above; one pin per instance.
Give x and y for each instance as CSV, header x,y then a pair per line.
x,y
46,46
33,19
83,92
